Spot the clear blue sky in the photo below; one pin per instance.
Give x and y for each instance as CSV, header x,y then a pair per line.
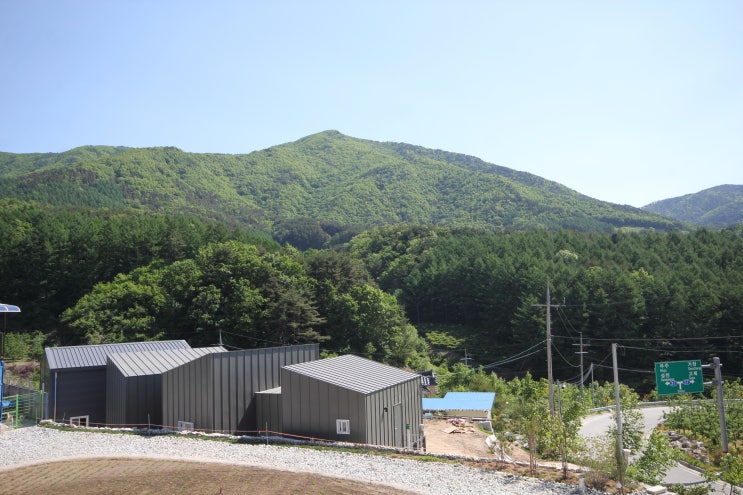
x,y
628,102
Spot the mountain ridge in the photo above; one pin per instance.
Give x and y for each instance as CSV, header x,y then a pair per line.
x,y
326,176
713,207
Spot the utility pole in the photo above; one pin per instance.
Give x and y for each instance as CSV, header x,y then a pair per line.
x,y
593,403
563,440
717,382
582,377
466,359
617,398
720,403
549,350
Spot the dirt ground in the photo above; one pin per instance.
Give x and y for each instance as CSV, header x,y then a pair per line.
x,y
443,438
149,477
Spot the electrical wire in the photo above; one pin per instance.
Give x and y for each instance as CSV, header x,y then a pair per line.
x,y
516,356
659,339
564,358
510,359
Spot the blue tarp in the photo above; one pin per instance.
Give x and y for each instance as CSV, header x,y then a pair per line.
x,y
461,401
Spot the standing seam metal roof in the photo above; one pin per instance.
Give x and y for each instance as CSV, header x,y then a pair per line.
x,y
94,356
353,373
157,362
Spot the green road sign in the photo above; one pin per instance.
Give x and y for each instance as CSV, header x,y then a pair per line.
x,y
679,377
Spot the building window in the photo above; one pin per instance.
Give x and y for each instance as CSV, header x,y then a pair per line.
x,y
343,426
80,420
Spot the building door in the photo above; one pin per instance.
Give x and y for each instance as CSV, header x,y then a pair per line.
x,y
397,422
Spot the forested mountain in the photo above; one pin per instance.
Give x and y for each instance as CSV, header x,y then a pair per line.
x,y
713,207
326,177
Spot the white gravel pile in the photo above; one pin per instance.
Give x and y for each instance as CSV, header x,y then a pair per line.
x,y
38,444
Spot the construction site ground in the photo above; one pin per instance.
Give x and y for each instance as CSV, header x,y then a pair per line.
x,y
442,437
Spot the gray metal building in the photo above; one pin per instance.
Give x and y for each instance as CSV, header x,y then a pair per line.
x,y
134,388
217,392
352,399
75,377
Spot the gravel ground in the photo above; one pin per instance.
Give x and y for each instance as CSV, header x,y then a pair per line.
x,y
38,444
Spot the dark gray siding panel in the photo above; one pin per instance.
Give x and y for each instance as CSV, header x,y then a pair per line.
x,y
75,376
79,393
218,390
310,409
268,410
115,396
144,401
388,416
133,400
187,394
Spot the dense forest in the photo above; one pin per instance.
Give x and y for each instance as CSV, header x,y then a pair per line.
x,y
414,296
327,177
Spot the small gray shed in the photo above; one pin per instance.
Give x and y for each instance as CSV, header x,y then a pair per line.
x,y
75,377
352,399
134,391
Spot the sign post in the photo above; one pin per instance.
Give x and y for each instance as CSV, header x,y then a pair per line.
x,y
679,377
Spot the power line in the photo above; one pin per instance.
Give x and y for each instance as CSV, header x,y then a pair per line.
x,y
495,365
657,339
521,355
565,359
625,369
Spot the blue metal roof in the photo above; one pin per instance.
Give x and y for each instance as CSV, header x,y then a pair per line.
x,y
461,401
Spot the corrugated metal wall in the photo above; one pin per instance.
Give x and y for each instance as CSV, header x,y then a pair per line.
x,y
78,393
187,394
134,400
116,396
75,377
310,407
398,425
268,410
216,392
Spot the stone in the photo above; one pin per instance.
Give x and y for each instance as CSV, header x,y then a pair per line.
x,y
655,490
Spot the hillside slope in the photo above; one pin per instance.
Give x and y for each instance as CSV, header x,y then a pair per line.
x,y
713,207
326,176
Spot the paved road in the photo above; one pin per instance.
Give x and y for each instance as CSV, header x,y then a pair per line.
x,y
598,424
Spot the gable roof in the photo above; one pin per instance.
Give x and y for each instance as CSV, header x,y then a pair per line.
x,y
461,401
94,356
157,362
353,373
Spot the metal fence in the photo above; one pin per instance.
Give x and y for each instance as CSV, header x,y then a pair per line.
x,y
22,406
